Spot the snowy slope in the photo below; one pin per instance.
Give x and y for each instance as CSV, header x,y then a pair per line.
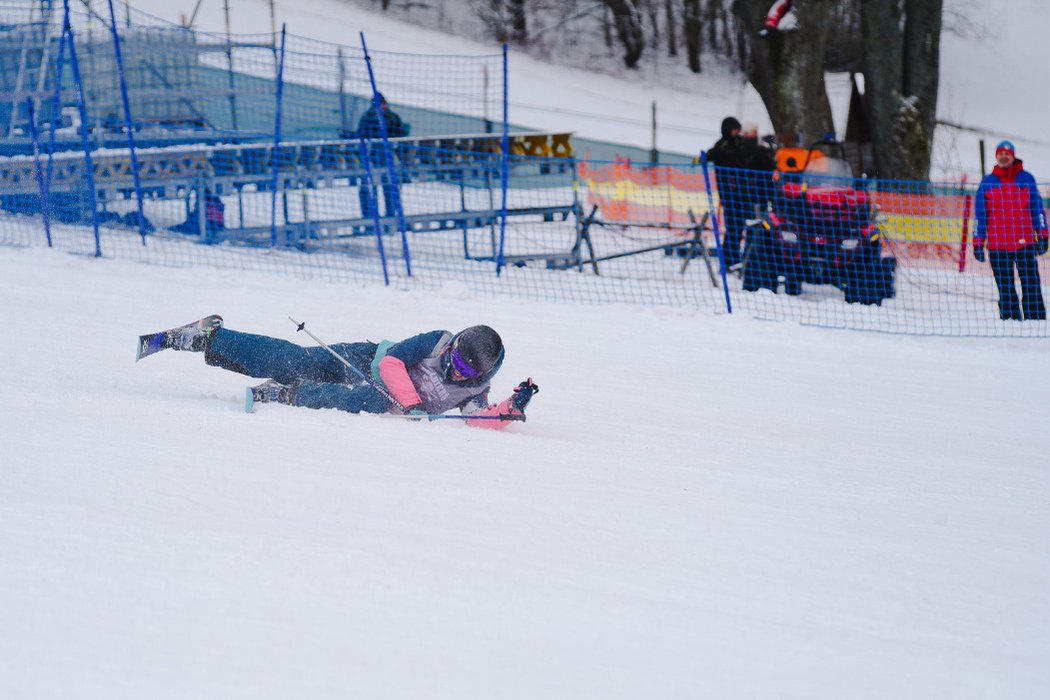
x,y
697,507
991,56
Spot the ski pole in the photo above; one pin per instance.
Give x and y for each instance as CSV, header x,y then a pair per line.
x,y
442,416
371,382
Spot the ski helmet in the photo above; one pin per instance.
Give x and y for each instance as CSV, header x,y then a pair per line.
x,y
475,351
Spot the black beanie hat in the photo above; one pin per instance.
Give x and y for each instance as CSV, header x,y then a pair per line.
x,y
728,124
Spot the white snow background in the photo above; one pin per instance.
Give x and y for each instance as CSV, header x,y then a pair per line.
x,y
698,505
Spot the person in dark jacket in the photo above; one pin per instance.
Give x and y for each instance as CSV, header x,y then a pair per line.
x,y
743,173
1011,223
727,155
428,373
370,127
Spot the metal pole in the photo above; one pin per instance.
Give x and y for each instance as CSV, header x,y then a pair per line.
x,y
344,124
78,88
503,171
654,155
56,104
277,144
127,121
391,167
273,30
45,206
229,67
368,183
964,240
714,227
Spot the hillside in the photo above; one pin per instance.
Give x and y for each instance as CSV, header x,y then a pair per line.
x,y
985,86
700,505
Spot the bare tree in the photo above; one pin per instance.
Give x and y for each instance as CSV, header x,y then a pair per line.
x,y
628,23
716,19
519,25
651,8
505,20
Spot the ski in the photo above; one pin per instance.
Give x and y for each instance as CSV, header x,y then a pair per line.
x,y
180,338
251,395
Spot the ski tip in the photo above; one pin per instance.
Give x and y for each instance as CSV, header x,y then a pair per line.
x,y
143,347
249,400
149,344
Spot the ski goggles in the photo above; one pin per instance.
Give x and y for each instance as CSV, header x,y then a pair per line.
x,y
460,365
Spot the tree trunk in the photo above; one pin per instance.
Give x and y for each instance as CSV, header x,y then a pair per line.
x,y
691,31
519,31
653,9
922,51
672,40
787,69
628,23
901,82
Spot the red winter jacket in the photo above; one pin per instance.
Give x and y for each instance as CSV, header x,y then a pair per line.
x,y
1009,209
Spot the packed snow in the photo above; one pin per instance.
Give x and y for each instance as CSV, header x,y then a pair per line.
x,y
698,505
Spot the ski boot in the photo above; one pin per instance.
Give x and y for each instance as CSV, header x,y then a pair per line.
x,y
193,337
268,392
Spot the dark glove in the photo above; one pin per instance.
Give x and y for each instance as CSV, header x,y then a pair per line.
x,y
523,393
978,252
1042,243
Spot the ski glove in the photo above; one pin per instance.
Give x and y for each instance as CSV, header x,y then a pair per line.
x,y
523,393
1042,243
978,252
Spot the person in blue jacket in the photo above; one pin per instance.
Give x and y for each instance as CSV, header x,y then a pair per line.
x,y
430,373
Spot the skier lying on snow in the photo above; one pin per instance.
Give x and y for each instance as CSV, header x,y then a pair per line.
x,y
429,373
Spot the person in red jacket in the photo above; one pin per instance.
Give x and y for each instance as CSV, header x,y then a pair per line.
x,y
1012,224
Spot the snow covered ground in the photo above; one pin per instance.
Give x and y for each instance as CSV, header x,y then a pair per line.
x,y
698,506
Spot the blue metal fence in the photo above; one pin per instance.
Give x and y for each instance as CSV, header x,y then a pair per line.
x,y
279,154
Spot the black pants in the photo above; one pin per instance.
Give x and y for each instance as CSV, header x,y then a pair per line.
x,y
736,211
1031,304
391,198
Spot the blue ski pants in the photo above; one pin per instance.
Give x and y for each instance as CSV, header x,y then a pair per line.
x,y
321,380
